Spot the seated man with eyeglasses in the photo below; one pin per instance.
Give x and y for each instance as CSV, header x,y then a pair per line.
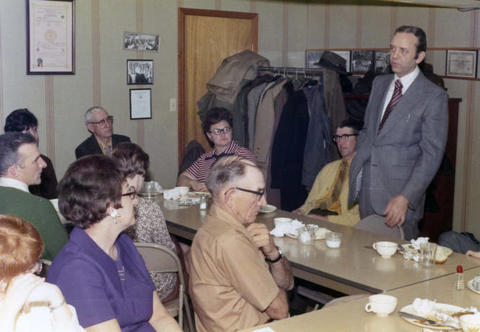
x,y
102,140
238,276
217,126
328,199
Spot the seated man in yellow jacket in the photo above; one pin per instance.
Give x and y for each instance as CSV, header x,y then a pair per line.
x,y
328,199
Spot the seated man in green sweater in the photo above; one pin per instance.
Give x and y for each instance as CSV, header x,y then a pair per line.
x,y
328,199
20,166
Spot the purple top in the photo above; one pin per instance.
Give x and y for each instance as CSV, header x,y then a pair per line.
x,y
102,289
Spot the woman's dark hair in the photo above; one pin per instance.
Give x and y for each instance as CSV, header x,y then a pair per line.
x,y
90,185
20,120
20,246
131,159
215,115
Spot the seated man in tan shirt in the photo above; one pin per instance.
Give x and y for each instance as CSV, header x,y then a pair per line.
x,y
238,276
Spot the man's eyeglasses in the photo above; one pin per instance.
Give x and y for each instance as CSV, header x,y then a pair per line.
x,y
131,192
259,193
218,131
337,138
103,123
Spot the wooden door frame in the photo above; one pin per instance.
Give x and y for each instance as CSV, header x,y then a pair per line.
x,y
182,12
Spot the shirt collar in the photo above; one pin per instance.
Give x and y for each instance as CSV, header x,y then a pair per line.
x,y
408,79
13,183
220,214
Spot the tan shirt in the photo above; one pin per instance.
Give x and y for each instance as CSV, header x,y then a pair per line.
x,y
230,283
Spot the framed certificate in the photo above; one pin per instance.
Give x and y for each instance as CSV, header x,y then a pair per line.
x,y
140,104
50,37
461,63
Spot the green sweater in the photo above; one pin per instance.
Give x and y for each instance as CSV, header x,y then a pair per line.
x,y
40,213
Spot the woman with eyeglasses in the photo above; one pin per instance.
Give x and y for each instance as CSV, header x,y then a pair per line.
x,y
99,270
150,226
217,126
27,303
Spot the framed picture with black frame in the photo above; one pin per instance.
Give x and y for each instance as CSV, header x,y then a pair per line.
x,y
140,104
50,37
362,61
461,63
139,72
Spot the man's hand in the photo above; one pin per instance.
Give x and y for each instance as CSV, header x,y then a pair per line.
x,y
262,239
475,254
199,186
396,211
298,211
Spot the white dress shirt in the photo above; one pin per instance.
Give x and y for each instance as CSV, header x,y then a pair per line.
x,y
406,80
12,183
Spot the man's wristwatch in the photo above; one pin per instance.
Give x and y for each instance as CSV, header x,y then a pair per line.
x,y
271,261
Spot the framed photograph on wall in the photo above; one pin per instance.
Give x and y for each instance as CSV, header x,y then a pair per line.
x,y
362,60
312,57
461,63
140,104
50,37
346,56
382,61
139,72
140,41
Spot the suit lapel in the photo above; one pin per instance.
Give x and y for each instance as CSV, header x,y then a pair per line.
x,y
379,102
94,147
405,105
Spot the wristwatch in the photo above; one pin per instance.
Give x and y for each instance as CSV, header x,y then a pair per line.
x,y
271,261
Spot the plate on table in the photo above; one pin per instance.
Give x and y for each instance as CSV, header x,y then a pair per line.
x,y
199,194
267,208
443,307
470,286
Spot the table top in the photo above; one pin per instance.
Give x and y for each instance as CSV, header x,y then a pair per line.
x,y
352,316
350,269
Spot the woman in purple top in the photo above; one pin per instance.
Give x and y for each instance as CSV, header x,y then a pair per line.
x,y
99,270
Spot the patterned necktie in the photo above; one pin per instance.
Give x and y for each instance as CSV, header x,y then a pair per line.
x,y
397,94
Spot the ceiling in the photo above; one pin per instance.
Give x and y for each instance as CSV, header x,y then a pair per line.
x,y
460,4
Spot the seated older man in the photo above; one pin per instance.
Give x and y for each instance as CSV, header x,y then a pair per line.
x,y
238,276
328,199
102,141
24,121
21,166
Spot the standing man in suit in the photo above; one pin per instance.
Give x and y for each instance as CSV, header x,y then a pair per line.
x,y
102,140
403,140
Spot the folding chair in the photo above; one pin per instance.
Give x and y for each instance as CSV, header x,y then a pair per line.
x,y
159,258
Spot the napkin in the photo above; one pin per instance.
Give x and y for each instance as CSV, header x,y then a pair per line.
x,y
423,306
171,193
288,227
412,250
418,242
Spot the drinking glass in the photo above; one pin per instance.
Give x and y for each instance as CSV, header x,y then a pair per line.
x,y
428,251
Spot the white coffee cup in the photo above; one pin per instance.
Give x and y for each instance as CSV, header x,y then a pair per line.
x,y
385,249
281,221
182,191
381,304
470,323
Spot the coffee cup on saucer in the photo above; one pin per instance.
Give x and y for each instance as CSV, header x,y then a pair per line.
x,y
386,249
380,304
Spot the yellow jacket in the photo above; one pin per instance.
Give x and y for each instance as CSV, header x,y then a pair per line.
x,y
323,186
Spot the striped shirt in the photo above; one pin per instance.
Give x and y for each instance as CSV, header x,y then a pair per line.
x,y
201,167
